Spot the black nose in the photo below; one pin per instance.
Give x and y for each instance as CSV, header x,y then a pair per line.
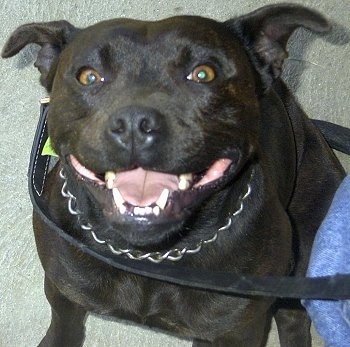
x,y
135,128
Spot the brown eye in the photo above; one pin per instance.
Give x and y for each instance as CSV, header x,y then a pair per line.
x,y
202,74
88,76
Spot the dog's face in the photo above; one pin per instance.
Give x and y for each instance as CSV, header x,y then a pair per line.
x,y
153,119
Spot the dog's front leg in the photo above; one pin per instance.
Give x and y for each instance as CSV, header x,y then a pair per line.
x,y
253,341
293,324
254,334
67,326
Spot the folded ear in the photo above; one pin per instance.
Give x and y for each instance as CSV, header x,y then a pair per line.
x,y
265,33
51,36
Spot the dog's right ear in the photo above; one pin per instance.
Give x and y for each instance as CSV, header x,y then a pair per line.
x,y
266,31
51,36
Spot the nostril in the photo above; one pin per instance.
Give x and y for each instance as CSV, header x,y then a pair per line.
x,y
119,126
146,126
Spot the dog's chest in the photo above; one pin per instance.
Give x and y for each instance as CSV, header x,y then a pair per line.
x,y
156,304
179,310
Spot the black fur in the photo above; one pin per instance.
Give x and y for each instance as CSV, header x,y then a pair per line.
x,y
146,112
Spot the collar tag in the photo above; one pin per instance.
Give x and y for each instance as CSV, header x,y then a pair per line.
x,y
48,150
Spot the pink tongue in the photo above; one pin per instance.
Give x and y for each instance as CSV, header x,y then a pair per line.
x,y
142,188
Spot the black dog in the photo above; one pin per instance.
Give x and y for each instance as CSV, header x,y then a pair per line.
x,y
178,141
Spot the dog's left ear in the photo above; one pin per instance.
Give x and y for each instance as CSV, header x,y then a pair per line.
x,y
265,33
51,36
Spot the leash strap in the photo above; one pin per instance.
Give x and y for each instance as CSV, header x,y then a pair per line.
x,y
338,137
329,287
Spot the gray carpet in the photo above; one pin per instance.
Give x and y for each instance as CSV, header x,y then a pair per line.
x,y
323,90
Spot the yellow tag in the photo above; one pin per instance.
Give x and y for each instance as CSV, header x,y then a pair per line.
x,y
48,150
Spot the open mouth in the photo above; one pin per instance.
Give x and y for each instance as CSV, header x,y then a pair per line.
x,y
152,196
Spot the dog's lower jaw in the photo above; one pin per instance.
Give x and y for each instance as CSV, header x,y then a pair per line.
x,y
153,240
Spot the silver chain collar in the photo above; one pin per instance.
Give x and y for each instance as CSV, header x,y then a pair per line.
x,y
155,257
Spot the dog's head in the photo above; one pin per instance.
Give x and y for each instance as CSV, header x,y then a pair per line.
x,y
154,119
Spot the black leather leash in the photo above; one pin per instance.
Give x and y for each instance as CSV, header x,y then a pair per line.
x,y
338,137
329,287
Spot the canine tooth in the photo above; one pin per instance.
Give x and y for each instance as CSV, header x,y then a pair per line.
x,y
184,181
156,210
187,176
122,209
183,184
118,199
109,179
163,198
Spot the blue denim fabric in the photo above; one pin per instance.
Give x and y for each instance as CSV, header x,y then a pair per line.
x,y
331,255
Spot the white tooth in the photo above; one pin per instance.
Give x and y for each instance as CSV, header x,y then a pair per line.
x,y
187,176
109,179
139,211
163,198
148,210
184,181
122,209
156,210
183,184
118,198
